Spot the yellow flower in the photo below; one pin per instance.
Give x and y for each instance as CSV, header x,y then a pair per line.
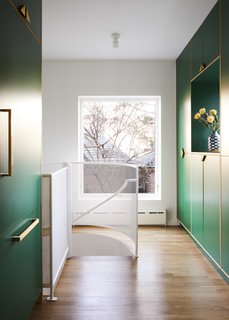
x,y
213,112
197,116
210,119
202,111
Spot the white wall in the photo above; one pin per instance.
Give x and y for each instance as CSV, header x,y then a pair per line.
x,y
64,81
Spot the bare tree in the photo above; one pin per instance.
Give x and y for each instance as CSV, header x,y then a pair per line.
x,y
122,132
125,133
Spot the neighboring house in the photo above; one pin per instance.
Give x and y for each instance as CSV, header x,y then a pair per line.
x,y
105,151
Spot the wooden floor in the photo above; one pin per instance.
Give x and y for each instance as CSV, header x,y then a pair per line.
x,y
171,279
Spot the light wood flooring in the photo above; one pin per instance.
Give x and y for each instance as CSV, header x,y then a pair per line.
x,y
171,279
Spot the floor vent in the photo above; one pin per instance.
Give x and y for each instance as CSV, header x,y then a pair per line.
x,y
154,217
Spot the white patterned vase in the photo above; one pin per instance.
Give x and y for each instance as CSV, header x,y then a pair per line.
x,y
214,142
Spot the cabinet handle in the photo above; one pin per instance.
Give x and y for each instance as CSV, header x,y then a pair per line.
x,y
203,158
182,152
202,67
26,231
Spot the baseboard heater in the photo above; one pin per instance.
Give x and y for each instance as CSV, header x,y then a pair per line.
x,y
155,217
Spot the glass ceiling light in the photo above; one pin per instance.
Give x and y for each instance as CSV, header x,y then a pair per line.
x,y
115,37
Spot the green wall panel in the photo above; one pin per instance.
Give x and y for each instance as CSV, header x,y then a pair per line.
x,y
183,136
198,180
20,90
183,101
197,56
224,78
212,206
211,47
20,272
205,44
197,194
34,9
184,197
225,214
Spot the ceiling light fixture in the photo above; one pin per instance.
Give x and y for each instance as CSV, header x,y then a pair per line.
x,y
115,37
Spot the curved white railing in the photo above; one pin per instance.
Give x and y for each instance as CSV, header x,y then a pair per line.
x,y
103,202
66,192
110,187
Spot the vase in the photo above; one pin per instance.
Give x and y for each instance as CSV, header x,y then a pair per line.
x,y
214,142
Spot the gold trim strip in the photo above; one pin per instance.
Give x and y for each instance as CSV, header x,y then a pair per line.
x,y
10,158
217,58
26,231
10,145
25,22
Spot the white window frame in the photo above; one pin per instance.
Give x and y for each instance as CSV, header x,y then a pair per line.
x,y
157,101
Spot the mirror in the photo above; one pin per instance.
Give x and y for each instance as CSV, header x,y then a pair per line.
x,y
5,143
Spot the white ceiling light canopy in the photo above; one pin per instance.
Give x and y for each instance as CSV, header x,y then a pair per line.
x,y
115,37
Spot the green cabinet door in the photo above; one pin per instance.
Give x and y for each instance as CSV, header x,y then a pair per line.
x,y
197,197
225,131
211,43
225,214
224,78
205,44
197,57
212,206
20,91
183,196
183,101
33,12
183,136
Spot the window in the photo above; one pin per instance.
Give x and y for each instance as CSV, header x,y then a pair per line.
x,y
123,130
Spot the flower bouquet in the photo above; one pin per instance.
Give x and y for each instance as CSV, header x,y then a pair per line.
x,y
210,120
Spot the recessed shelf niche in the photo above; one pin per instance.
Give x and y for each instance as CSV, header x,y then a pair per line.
x,y
205,93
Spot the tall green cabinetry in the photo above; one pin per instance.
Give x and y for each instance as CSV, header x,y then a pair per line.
x,y
183,113
20,92
205,45
225,132
197,195
203,177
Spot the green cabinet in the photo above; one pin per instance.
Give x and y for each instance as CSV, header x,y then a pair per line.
x,y
225,132
183,101
197,58
212,206
184,199
225,214
205,44
205,202
197,196
203,177
20,91
224,77
33,11
183,134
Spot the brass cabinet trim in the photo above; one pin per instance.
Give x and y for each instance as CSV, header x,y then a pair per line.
x,y
202,67
23,10
10,156
35,221
213,61
25,21
203,158
182,152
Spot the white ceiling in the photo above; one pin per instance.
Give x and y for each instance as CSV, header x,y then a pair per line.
x,y
149,29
